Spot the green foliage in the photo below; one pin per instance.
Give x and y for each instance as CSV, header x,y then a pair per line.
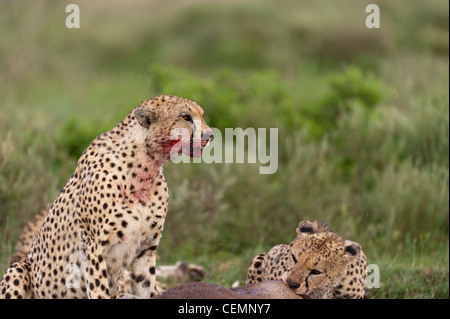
x,y
349,90
26,181
353,84
76,135
251,99
363,119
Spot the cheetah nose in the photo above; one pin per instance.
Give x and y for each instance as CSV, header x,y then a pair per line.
x,y
207,134
292,284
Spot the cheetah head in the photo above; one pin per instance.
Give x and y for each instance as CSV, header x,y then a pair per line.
x,y
171,125
319,262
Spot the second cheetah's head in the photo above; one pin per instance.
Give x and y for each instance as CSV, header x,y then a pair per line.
x,y
319,263
172,125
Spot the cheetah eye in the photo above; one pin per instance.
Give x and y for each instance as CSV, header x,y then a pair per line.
x,y
187,118
315,272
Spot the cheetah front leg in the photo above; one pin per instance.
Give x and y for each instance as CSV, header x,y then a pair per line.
x,y
16,283
143,273
96,275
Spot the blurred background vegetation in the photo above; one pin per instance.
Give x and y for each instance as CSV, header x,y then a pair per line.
x,y
363,119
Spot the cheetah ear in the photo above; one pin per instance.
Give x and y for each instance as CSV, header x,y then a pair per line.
x,y
145,116
352,249
305,228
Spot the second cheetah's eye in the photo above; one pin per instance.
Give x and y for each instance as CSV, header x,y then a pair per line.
x,y
315,272
187,118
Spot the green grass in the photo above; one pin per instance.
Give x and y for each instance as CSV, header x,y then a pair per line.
x,y
362,114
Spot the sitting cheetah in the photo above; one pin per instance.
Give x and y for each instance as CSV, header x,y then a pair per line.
x,y
111,212
316,264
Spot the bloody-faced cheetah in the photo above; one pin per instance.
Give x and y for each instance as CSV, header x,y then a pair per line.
x,y
317,264
111,212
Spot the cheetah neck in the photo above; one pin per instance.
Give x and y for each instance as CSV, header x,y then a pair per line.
x,y
143,177
140,166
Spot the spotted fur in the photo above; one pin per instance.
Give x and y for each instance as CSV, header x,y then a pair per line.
x,y
111,213
178,273
27,236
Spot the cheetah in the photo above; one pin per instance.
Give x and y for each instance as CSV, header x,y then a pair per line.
x,y
317,264
111,213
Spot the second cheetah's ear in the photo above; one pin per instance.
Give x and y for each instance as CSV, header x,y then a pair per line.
x,y
305,228
144,116
352,249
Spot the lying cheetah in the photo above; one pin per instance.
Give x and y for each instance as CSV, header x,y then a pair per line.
x,y
111,212
316,264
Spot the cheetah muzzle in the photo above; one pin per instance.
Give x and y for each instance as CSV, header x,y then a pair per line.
x,y
110,215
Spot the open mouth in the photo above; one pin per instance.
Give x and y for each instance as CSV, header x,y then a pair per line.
x,y
193,148
196,149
